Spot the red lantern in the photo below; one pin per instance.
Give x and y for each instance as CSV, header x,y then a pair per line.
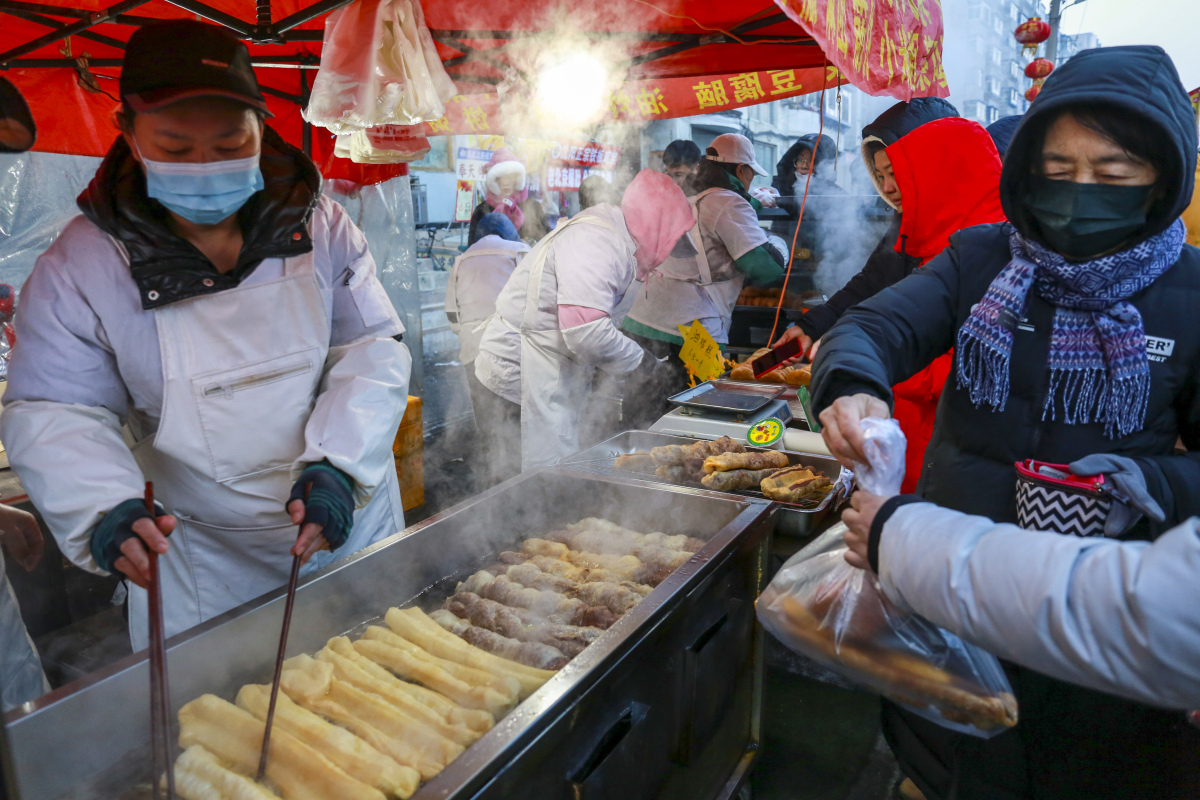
x,y
1039,68
1032,92
1031,33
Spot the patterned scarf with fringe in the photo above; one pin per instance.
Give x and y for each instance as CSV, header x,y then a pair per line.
x,y
1099,370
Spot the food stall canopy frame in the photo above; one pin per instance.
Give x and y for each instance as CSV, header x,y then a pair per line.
x,y
679,57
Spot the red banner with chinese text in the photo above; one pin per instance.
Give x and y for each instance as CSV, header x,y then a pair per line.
x,y
642,101
884,47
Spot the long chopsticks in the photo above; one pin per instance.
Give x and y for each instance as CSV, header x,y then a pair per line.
x,y
160,694
293,581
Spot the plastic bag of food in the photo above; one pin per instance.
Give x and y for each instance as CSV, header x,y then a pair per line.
x,y
823,608
837,615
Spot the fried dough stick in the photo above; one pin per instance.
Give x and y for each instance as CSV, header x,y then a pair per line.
x,y
472,676
235,737
552,605
453,714
310,683
616,598
671,542
345,669
199,775
409,667
493,616
534,654
412,624
628,567
348,752
565,569
615,544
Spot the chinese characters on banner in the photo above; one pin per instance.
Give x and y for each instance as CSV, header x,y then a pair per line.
x,y
881,46
570,164
471,164
641,101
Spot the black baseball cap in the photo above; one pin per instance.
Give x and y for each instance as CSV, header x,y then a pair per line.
x,y
14,109
166,62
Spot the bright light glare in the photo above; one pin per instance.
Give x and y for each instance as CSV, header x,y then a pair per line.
x,y
571,89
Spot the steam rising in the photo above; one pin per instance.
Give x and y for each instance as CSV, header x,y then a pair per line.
x,y
570,90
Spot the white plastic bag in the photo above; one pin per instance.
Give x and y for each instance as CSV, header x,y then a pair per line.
x,y
823,608
837,615
378,67
883,445
380,145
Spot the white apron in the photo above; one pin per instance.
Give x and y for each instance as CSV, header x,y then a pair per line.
x,y
241,372
688,290
554,386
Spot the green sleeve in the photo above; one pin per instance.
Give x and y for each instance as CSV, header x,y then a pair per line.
x,y
760,267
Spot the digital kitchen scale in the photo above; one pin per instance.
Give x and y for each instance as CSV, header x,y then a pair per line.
x,y
750,413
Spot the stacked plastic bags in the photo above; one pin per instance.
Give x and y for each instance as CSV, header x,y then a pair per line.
x,y
823,608
379,68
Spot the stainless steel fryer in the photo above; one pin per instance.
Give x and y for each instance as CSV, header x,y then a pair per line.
x,y
665,704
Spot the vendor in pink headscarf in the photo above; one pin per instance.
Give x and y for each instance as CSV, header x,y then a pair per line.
x,y
553,326
508,194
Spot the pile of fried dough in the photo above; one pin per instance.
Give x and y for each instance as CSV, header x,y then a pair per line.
x,y
371,719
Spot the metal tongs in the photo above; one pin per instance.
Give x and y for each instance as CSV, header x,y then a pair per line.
x,y
293,582
160,694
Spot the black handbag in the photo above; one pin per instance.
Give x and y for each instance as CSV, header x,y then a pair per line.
x,y
1051,498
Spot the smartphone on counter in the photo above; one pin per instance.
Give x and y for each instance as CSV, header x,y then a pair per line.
x,y
769,361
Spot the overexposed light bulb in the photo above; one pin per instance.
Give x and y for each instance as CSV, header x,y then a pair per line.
x,y
571,89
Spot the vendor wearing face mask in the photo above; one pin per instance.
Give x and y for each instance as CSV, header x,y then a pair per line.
x,y
1074,334
214,302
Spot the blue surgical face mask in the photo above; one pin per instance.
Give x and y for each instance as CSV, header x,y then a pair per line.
x,y
203,193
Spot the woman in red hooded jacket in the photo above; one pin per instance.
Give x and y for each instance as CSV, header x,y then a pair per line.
x,y
947,174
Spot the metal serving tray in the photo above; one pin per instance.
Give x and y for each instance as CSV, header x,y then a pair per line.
x,y
795,519
728,397
675,684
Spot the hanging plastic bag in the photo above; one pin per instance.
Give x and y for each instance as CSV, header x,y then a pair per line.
x,y
378,67
836,614
378,146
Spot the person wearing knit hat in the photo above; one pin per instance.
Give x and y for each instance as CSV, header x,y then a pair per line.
x,y
554,326
508,194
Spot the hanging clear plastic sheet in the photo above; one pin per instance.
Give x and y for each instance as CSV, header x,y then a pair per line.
x,y
837,615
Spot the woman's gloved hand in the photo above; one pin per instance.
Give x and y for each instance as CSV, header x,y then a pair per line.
x,y
120,540
1128,485
328,513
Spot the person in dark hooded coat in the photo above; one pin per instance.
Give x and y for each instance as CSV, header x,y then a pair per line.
x,y
888,263
1075,342
815,155
1002,131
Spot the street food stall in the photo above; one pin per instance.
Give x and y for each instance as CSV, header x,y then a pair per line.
x,y
622,602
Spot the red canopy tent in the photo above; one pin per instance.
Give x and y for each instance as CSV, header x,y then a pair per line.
x,y
679,57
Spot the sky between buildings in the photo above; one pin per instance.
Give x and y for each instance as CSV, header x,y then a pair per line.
x,y
1173,25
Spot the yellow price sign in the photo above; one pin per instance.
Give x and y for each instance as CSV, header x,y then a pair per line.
x,y
701,354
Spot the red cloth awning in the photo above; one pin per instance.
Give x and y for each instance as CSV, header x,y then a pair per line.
x,y
680,57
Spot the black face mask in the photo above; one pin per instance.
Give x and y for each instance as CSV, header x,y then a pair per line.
x,y
1084,220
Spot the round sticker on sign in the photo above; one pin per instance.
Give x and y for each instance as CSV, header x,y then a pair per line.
x,y
765,433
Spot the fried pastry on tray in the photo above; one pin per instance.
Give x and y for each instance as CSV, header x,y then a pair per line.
x,y
766,459
796,485
635,462
735,480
